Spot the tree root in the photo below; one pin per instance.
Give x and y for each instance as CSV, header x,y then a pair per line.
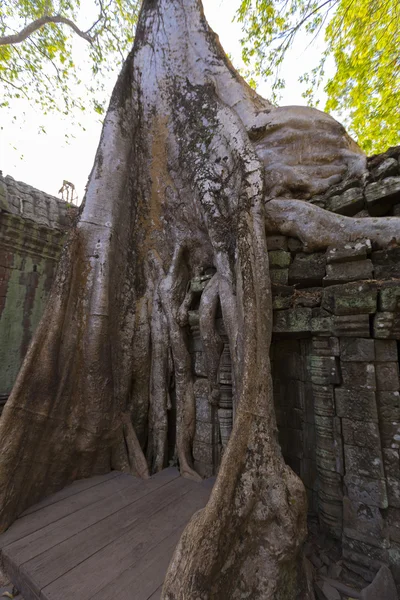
x,y
318,228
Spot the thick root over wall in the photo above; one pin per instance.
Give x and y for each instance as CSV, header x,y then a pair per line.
x,y
191,169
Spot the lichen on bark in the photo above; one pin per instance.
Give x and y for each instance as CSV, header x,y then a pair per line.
x,y
186,179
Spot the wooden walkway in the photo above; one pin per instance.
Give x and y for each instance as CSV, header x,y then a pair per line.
x,y
109,537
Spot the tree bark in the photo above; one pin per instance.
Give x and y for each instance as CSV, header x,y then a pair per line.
x,y
188,166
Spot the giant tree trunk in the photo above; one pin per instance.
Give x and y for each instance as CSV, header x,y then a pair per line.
x,y
187,175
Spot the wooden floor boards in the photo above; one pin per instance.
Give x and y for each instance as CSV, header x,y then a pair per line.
x,y
102,538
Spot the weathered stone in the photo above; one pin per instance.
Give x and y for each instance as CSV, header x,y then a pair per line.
x,y
279,276
364,461
324,370
360,433
356,403
326,592
349,271
203,452
387,325
351,298
310,297
364,523
279,259
204,432
295,245
391,463
357,350
352,326
199,364
277,242
390,434
321,322
383,587
359,375
380,196
203,407
387,376
388,168
387,263
197,284
348,203
349,252
368,491
323,400
325,346
307,269
293,321
385,350
389,296
281,302
389,406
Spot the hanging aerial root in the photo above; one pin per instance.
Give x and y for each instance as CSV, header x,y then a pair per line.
x,y
137,461
159,382
171,288
317,228
212,343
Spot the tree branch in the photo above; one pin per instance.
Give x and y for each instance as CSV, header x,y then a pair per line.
x,y
17,38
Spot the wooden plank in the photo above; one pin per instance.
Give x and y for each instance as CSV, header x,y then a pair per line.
x,y
52,564
157,594
36,543
146,576
70,490
94,573
30,523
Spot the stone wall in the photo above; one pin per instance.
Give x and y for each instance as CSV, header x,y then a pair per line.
x,y
335,364
32,227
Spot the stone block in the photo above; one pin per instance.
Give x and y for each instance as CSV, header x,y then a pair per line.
x,y
361,433
279,259
197,284
387,168
364,461
359,375
349,271
348,252
388,406
351,298
204,432
381,195
323,370
385,350
325,346
279,276
321,322
383,587
359,404
325,459
203,452
199,364
203,407
364,523
386,263
390,434
307,269
280,302
293,321
323,400
295,245
330,484
368,491
352,326
277,242
357,350
391,461
308,297
386,325
348,203
387,376
389,296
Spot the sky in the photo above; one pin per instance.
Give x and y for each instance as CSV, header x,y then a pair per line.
x,y
44,160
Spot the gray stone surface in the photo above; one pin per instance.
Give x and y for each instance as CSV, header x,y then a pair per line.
x,y
349,252
387,168
382,587
386,263
308,269
348,271
357,350
348,203
351,298
381,195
